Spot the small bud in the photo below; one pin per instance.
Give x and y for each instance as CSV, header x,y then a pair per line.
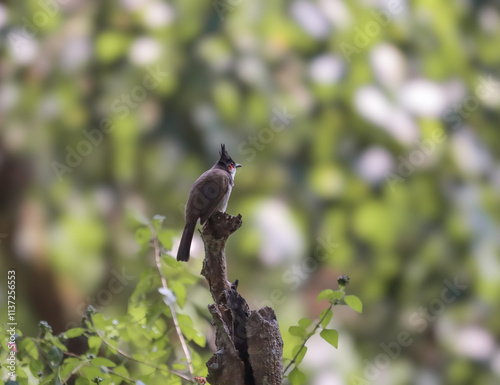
x,y
44,327
62,337
89,311
87,315
343,281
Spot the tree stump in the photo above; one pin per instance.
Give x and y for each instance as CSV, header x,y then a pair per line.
x,y
249,344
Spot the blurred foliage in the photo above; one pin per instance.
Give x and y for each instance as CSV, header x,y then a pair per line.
x,y
369,144
146,331
306,328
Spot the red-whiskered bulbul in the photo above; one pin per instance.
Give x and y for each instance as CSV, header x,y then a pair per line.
x,y
208,195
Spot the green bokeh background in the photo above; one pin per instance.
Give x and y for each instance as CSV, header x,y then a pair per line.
x,y
364,90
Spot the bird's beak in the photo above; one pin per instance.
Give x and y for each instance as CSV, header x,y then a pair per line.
x,y
238,165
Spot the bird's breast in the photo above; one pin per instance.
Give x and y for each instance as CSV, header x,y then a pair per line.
x,y
223,202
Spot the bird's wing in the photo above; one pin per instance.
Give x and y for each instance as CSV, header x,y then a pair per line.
x,y
206,194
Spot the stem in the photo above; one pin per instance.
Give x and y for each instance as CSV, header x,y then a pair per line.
x,y
122,353
171,306
121,376
75,370
307,339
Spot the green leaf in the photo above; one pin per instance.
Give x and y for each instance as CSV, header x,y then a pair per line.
x,y
49,380
297,331
68,366
75,332
327,313
172,263
20,373
101,361
180,292
305,322
55,356
184,319
166,238
331,336
99,321
122,371
137,311
144,285
28,345
143,236
21,376
330,295
301,355
192,334
296,377
35,367
179,367
82,381
91,372
58,343
94,344
324,294
354,303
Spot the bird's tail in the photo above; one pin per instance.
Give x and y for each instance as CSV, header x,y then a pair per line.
x,y
185,245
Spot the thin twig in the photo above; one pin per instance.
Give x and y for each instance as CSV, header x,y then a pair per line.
x,y
87,362
75,370
122,353
307,339
171,306
121,376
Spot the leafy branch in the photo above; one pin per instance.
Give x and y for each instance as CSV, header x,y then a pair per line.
x,y
320,322
75,370
46,356
129,357
334,297
170,303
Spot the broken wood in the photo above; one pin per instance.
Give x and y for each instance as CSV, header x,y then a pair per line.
x,y
249,343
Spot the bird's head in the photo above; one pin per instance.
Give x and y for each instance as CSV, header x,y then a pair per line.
x,y
226,162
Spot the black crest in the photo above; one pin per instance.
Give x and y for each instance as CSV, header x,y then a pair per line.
x,y
224,156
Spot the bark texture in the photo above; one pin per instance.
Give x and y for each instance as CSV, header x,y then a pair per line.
x,y
249,344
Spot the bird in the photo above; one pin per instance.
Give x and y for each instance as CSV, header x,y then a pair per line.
x,y
209,194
